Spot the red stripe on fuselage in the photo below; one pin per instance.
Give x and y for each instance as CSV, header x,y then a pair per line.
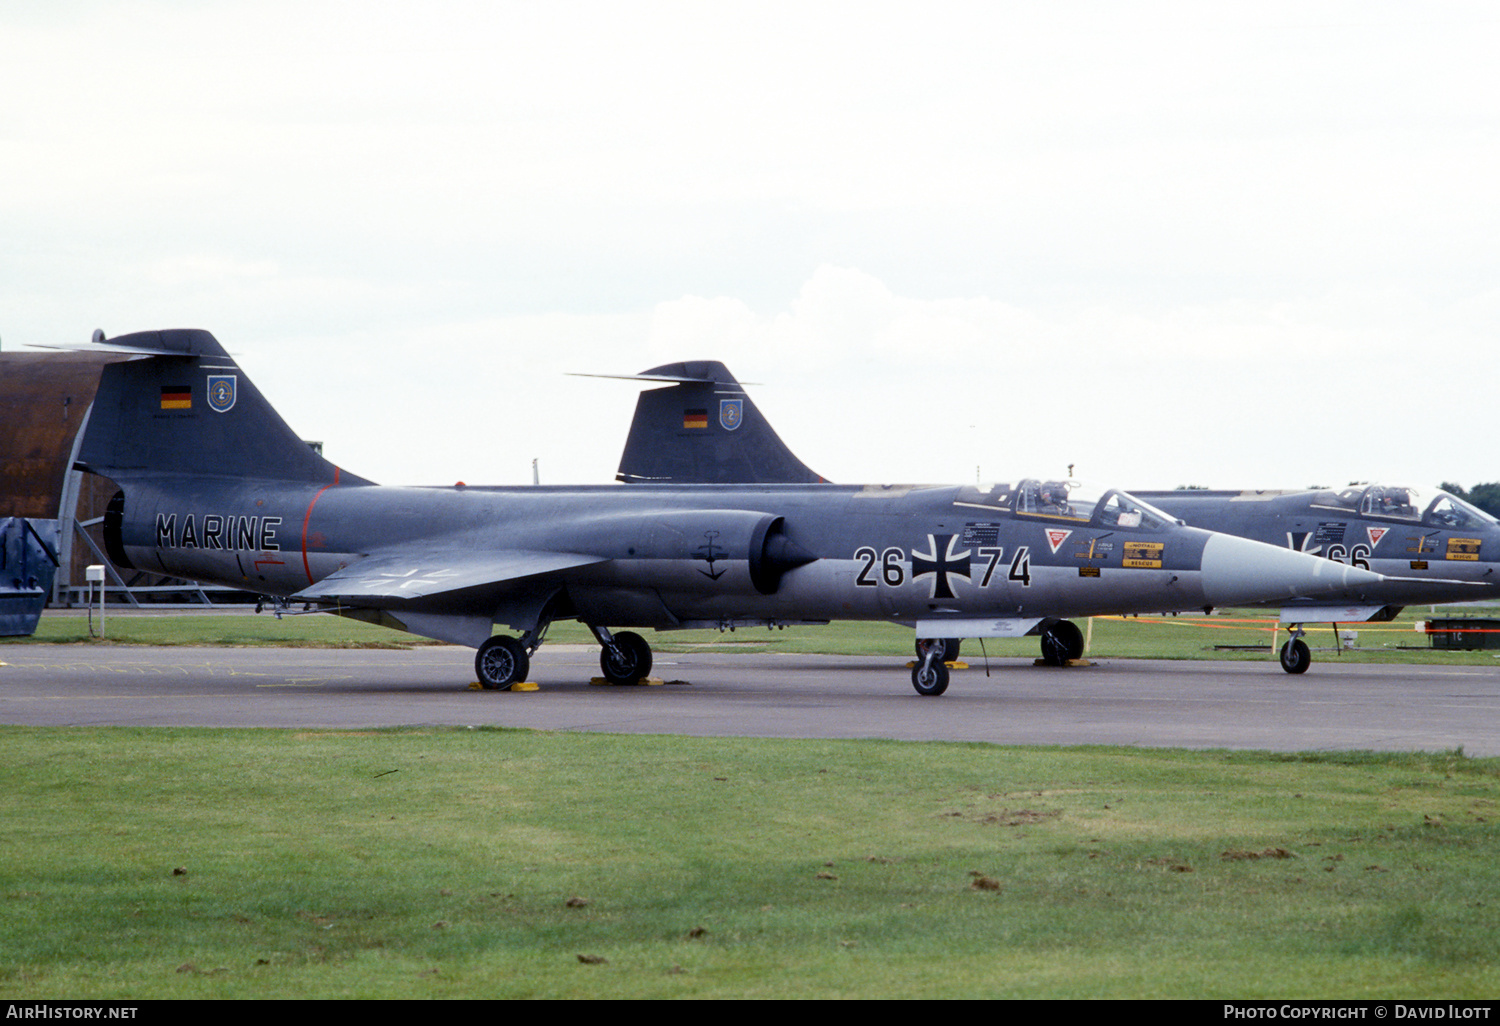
x,y
307,519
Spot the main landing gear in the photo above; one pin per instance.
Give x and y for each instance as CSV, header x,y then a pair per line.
x,y
625,658
950,648
1061,643
502,661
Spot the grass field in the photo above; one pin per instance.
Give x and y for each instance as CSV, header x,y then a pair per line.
x,y
177,863
457,863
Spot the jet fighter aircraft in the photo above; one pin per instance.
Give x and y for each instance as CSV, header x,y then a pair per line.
x,y
1430,546
215,487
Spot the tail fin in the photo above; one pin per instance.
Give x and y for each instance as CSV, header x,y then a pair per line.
x,y
704,429
187,408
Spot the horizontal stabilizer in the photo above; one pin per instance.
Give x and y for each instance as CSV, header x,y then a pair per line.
x,y
418,574
103,347
701,371
172,342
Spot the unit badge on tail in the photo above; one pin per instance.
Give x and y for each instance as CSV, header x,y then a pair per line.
x,y
221,392
731,413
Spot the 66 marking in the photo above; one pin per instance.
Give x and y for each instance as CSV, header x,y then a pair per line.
x,y
1359,555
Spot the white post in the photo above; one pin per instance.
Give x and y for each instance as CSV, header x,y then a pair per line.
x,y
92,573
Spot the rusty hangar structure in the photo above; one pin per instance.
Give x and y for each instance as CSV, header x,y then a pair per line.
x,y
44,403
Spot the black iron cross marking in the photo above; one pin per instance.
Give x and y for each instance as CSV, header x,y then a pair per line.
x,y
949,562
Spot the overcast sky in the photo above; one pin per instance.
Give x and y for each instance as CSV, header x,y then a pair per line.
x,y
1229,244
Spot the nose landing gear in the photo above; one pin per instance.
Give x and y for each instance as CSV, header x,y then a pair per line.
x,y
929,674
1296,657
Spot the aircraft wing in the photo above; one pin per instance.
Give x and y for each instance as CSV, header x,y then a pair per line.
x,y
424,573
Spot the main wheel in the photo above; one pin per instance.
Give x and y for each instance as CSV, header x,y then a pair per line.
x,y
1062,642
501,662
629,661
950,649
1296,657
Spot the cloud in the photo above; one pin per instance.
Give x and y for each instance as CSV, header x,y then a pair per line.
x,y
1166,241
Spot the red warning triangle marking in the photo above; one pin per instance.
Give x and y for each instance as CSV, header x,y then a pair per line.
x,y
1376,533
1055,538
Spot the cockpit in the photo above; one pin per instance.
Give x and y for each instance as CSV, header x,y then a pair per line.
x,y
1433,508
1068,501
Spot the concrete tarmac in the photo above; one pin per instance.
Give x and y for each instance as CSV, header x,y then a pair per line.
x,y
1158,703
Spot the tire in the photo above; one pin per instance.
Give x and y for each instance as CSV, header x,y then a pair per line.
x,y
632,663
950,649
500,662
930,682
1062,642
1296,657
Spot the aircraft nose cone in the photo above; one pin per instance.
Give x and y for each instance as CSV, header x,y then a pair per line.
x,y
1237,570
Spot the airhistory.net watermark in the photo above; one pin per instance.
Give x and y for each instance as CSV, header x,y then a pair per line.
x,y
31,1010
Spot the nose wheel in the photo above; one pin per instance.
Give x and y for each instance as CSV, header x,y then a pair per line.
x,y
1296,657
929,674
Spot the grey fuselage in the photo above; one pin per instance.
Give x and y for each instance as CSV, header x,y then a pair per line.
x,y
669,556
1432,548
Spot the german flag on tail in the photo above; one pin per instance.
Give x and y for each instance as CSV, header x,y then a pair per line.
x,y
176,397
